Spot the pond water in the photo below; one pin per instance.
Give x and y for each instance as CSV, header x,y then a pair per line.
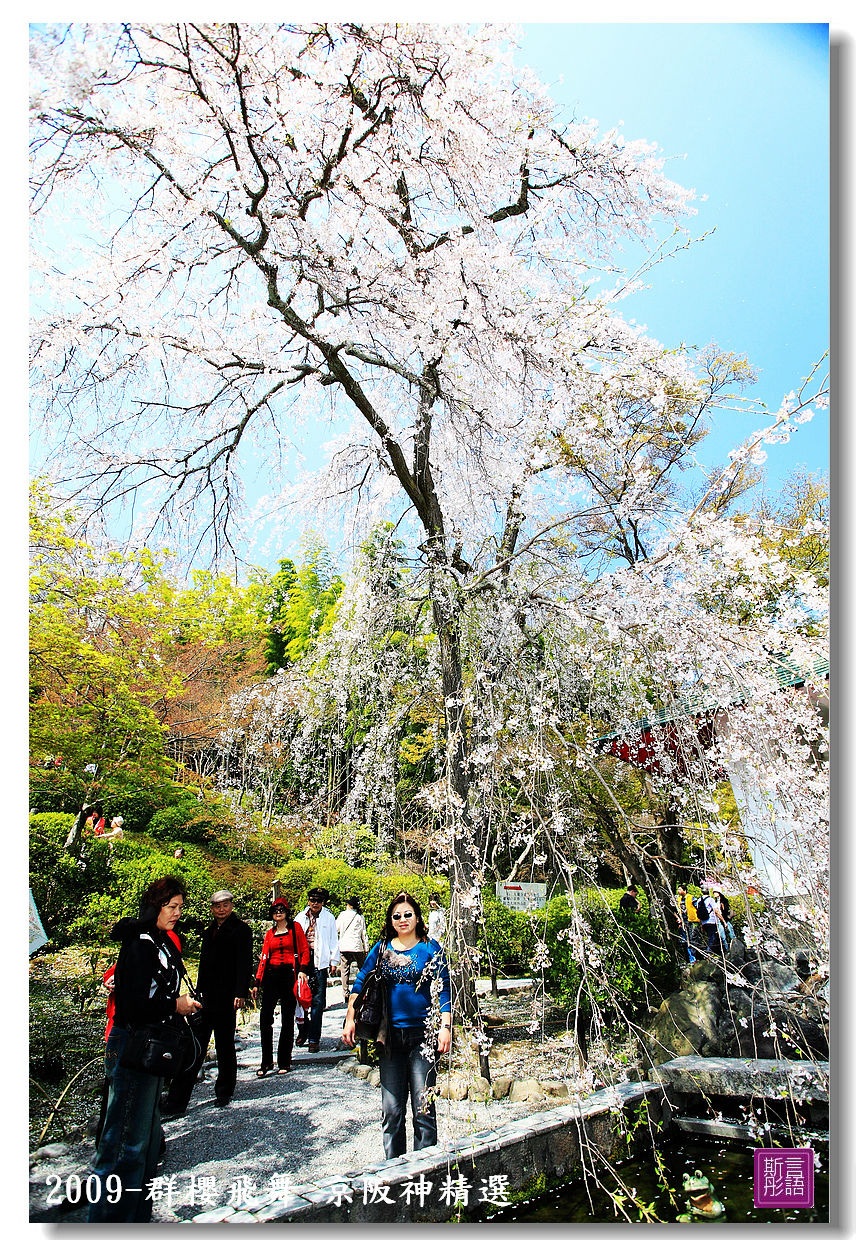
x,y
727,1164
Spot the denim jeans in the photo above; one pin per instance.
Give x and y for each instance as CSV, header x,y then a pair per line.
x,y
687,940
129,1146
405,1070
316,1012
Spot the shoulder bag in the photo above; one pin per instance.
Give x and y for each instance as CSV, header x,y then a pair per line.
x,y
162,1048
371,1007
302,989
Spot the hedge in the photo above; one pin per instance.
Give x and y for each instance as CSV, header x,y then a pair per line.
x,y
374,890
80,898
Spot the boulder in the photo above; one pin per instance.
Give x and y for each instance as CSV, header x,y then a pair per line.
x,y
528,1090
362,1071
57,1150
501,1086
736,953
555,1089
479,1090
455,1089
779,978
374,1077
686,1023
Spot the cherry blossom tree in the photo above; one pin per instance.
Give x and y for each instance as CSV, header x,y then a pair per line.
x,y
389,229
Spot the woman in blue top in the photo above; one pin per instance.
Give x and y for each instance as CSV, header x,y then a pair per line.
x,y
414,970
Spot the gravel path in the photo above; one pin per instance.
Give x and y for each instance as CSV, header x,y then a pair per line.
x,y
316,1121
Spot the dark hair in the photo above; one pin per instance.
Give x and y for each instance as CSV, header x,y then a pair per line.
x,y
389,930
354,902
435,895
159,893
280,900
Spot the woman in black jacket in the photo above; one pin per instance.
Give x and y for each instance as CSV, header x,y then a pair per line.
x,y
147,980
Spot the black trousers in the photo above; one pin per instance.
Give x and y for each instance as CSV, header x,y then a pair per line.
x,y
277,988
219,1021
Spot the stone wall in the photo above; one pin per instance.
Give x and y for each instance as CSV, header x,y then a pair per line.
x,y
419,1187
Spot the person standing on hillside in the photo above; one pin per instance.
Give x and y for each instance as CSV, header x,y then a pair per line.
x,y
682,915
319,926
710,916
225,974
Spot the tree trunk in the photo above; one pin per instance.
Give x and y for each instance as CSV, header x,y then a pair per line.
x,y
465,875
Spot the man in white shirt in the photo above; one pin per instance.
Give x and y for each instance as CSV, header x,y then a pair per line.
x,y
319,926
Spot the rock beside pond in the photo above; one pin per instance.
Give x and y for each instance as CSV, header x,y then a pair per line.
x,y
686,1023
555,1089
454,1088
762,1011
479,1090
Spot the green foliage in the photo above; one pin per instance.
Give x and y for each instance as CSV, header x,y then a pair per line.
x,y
66,1041
625,957
352,842
119,792
190,822
79,899
301,607
506,938
374,890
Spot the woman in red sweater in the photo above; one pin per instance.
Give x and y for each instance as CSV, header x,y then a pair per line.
x,y
285,955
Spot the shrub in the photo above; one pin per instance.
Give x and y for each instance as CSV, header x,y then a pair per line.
x,y
374,890
626,952
191,822
80,899
506,938
62,791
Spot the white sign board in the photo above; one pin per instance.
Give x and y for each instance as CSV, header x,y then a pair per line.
x,y
522,896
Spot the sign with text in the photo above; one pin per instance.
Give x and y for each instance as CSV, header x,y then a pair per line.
x,y
522,896
784,1178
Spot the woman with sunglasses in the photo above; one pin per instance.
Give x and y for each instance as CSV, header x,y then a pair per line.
x,y
413,968
285,957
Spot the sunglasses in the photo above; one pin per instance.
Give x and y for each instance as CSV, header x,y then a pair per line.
x,y
402,916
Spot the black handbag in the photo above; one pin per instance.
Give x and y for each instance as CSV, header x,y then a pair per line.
x,y
371,1008
165,1048
160,1050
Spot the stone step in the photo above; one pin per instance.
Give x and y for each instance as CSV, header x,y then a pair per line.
x,y
746,1078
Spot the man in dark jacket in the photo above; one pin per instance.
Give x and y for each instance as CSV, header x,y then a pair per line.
x,y
225,974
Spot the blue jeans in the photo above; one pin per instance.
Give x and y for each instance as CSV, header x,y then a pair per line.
x,y
130,1140
316,1012
405,1070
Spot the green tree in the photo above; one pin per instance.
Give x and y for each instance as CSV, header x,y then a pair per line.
x,y
302,603
97,634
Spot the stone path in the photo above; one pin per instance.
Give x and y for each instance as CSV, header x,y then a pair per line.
x,y
312,1123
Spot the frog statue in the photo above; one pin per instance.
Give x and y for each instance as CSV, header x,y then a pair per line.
x,y
704,1206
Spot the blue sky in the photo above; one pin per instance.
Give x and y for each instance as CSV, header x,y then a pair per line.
x,y
744,109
